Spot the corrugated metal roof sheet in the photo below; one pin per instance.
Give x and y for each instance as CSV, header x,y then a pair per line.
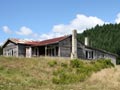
x,y
38,43
46,42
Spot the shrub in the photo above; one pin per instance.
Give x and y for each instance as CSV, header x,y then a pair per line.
x,y
65,78
64,65
52,63
109,63
56,80
105,63
118,60
76,63
58,71
82,77
101,64
78,70
86,70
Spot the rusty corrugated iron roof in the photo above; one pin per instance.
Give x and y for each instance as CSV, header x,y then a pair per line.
x,y
38,43
46,42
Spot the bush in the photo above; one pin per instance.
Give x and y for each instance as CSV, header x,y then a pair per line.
x,y
86,70
76,63
78,70
82,77
64,65
105,63
109,63
52,63
56,80
65,78
118,60
59,71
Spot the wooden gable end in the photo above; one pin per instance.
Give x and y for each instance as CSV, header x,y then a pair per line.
x,y
8,43
10,48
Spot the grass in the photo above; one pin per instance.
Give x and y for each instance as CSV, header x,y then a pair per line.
x,y
79,71
56,74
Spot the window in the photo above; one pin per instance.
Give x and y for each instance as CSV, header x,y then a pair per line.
x,y
12,52
89,54
86,54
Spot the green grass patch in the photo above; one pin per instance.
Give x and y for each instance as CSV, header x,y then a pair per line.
x,y
46,73
52,63
78,71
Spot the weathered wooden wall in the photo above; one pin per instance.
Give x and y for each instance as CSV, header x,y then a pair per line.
x,y
98,54
65,47
21,50
80,50
11,49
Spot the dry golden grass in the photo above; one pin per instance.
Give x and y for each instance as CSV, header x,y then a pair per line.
x,y
107,79
36,74
26,73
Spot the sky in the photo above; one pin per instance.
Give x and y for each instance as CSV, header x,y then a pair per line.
x,y
44,19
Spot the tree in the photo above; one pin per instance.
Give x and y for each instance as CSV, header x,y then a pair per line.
x,y
1,51
106,37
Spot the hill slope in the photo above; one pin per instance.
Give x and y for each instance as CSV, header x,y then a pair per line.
x,y
105,37
38,73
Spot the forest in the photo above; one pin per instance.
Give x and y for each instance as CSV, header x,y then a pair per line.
x,y
1,50
106,37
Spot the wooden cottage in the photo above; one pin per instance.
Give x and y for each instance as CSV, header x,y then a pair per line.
x,y
65,46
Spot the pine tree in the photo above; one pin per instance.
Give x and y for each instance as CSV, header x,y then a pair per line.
x,y
105,37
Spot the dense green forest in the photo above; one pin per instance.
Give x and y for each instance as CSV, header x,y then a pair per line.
x,y
1,50
105,37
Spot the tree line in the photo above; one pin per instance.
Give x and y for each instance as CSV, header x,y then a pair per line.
x,y
106,37
1,51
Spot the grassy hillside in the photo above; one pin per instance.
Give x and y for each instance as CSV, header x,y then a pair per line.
x,y
57,74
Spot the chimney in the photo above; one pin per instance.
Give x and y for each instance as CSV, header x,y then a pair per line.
x,y
74,44
86,41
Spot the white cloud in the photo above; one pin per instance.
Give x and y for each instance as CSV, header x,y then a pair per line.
x,y
24,31
49,36
6,29
81,22
117,20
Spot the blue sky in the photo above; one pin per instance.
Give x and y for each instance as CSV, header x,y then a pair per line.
x,y
43,19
